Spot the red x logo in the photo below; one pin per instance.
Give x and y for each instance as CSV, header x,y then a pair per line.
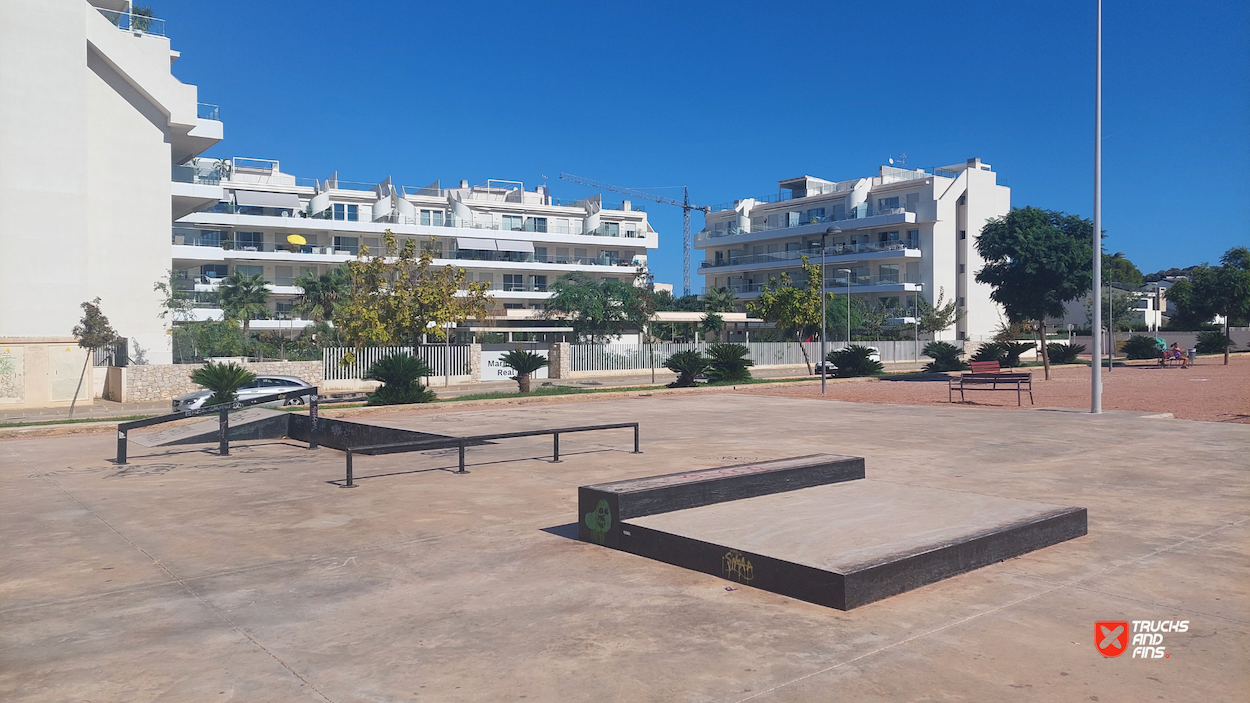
x,y
1111,637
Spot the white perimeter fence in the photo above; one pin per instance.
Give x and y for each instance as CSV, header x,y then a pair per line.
x,y
440,358
639,357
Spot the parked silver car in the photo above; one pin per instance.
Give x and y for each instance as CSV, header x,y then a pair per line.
x,y
263,385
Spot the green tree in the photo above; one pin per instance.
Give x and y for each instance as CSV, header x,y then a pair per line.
x,y
1119,310
1218,290
93,332
525,364
937,316
1117,269
1183,312
321,294
946,357
597,310
854,360
243,298
728,363
224,380
401,376
873,318
394,296
719,299
687,365
1036,260
795,310
712,325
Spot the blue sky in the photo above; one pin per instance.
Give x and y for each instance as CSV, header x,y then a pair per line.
x,y
728,98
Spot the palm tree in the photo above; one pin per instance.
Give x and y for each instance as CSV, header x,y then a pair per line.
x,y
524,363
728,364
712,324
244,297
687,365
321,294
224,380
720,299
401,376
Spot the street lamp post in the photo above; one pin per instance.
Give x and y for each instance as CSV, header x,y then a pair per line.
x,y
824,368
848,303
1095,379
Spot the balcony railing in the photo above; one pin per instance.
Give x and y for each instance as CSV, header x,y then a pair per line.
x,y
814,254
195,174
207,111
135,22
831,284
864,211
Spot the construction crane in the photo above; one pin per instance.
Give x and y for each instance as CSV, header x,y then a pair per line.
x,y
685,206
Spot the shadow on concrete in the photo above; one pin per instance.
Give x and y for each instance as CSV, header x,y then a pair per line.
x,y
568,531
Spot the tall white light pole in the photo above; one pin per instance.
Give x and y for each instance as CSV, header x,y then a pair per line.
x,y
824,369
1095,379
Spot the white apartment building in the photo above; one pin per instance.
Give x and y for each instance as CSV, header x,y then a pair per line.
x,y
91,121
519,241
902,233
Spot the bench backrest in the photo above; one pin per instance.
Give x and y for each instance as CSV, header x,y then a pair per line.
x,y
985,367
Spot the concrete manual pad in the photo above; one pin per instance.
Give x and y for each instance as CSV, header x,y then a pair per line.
x,y
848,544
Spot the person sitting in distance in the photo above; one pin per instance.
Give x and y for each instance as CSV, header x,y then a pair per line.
x,y
1174,352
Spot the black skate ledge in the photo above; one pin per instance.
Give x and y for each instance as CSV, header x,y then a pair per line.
x,y
690,489
806,528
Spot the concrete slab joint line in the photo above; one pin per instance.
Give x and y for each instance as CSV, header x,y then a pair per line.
x,y
174,577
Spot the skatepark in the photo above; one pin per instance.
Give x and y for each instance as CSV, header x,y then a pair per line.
x,y
185,575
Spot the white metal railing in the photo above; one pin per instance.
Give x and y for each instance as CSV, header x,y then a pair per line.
x,y
640,357
441,358
135,22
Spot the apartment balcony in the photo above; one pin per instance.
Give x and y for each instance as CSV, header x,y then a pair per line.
x,y
837,253
899,283
135,22
193,188
867,220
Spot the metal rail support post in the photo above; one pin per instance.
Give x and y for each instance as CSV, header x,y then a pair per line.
x,y
312,421
462,470
636,449
348,483
555,447
223,432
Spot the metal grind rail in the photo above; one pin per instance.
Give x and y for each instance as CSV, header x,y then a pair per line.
x,y
462,442
223,419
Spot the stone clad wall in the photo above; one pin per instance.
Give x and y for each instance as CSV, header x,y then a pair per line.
x,y
145,384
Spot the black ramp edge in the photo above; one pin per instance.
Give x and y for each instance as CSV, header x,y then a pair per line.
x,y
749,569
341,434
621,500
907,572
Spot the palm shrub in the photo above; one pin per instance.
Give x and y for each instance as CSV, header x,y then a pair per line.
x,y
1141,347
224,380
1012,352
728,363
854,360
1062,353
401,376
990,351
945,357
523,363
687,365
1213,342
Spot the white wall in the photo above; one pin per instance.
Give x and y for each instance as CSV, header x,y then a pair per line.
x,y
87,116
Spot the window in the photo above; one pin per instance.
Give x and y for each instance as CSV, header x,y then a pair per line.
x,y
560,226
307,271
611,229
889,273
580,255
513,223
540,283
815,214
757,249
249,241
538,224
283,275
609,258
207,238
351,245
887,203
250,270
350,213
794,246
913,201
792,218
486,277
720,257
757,223
839,212
513,282
432,217
214,270
884,237
513,306
913,239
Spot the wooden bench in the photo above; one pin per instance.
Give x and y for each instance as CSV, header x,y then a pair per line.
x,y
988,373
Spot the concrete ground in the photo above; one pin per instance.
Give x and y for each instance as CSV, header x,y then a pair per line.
x,y
190,577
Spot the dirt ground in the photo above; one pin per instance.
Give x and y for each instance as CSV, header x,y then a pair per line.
x,y
1209,391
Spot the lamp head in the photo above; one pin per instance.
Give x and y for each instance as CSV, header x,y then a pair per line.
x,y
833,230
